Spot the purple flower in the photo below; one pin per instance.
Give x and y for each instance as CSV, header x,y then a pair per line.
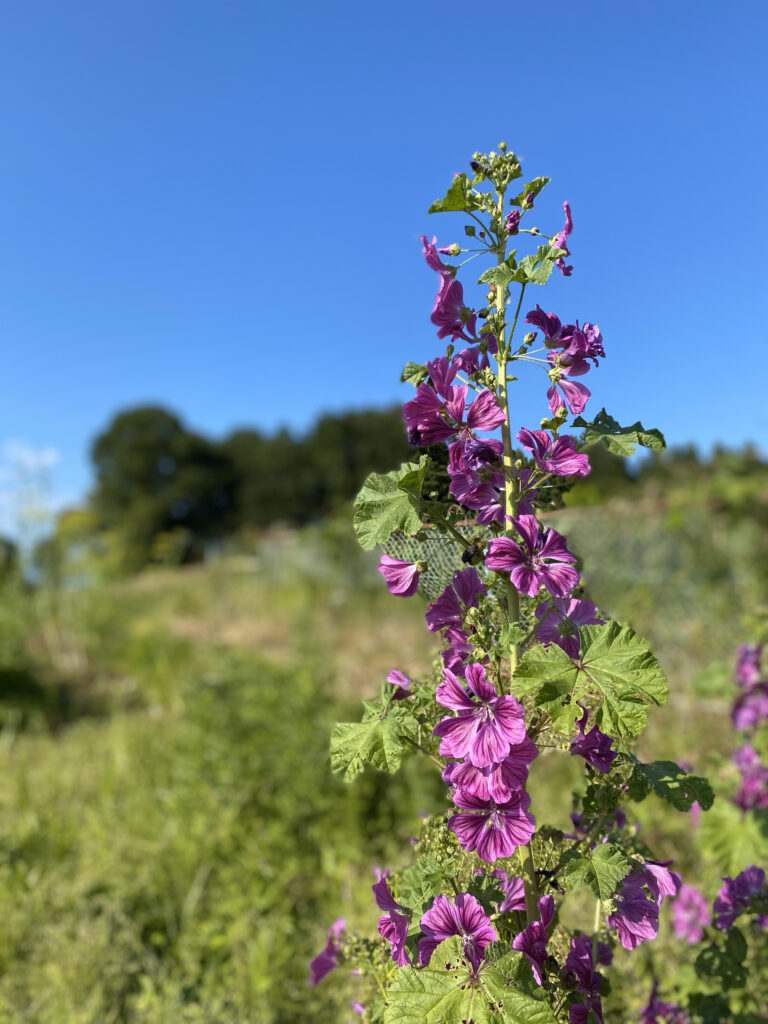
x,y
393,925
512,223
325,961
560,619
594,746
455,655
402,578
442,374
468,586
736,896
401,682
528,201
514,891
466,918
357,1007
660,880
667,1013
485,725
560,241
542,560
753,791
636,917
575,395
495,782
433,260
444,612
747,671
554,456
690,915
580,964
431,421
450,314
555,334
493,830
751,707
532,940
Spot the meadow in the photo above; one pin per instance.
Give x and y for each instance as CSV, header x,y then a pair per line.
x,y
174,844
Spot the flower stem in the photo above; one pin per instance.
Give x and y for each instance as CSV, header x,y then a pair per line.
x,y
528,872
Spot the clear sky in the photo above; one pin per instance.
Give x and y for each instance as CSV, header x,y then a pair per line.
x,y
215,205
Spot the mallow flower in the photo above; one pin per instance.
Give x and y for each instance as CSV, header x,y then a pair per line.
x,y
541,559
464,917
325,961
402,578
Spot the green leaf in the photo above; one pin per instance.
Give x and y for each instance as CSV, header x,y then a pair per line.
x,y
414,373
450,995
389,502
534,186
731,839
671,783
499,275
376,741
736,945
617,439
715,963
536,268
458,197
615,665
603,870
420,884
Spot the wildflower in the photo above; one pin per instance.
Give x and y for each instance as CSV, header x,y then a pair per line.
x,y
485,725
513,889
325,961
402,578
575,395
556,334
753,791
747,671
594,746
560,619
580,965
751,707
560,241
497,781
636,917
431,421
690,915
401,682
493,830
542,560
512,223
393,925
557,456
532,940
736,895
667,1013
464,917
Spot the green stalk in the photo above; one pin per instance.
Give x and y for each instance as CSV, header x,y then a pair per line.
x,y
527,867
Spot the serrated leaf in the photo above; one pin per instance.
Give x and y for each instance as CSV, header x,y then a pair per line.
x,y
536,267
534,186
458,197
615,664
617,439
671,783
384,505
448,996
499,275
420,884
602,869
376,741
731,838
414,373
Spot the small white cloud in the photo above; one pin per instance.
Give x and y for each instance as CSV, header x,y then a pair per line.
x,y
25,458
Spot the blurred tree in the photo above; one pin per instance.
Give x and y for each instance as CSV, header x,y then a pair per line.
x,y
153,475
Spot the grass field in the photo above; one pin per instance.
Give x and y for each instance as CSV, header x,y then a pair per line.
x,y
174,845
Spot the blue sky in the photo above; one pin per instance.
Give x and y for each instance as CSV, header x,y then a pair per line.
x,y
216,205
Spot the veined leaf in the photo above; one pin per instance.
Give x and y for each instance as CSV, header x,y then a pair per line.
x,y
389,502
534,186
671,783
414,373
451,994
378,742
602,869
615,665
617,439
458,197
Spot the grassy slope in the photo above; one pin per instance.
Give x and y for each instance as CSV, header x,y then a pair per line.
x,y
176,848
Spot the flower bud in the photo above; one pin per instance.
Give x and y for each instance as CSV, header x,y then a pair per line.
x,y
529,338
512,223
503,147
528,201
